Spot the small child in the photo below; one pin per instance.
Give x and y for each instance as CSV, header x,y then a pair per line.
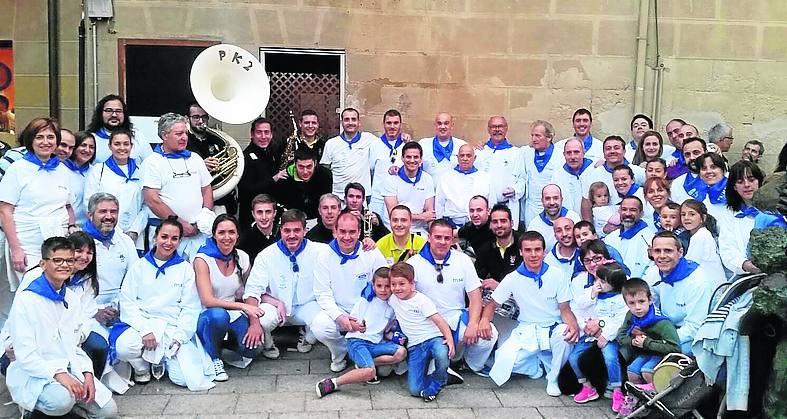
x,y
605,215
669,217
365,345
601,331
702,242
646,336
429,336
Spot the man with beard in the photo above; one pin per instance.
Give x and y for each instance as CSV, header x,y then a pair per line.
x,y
681,287
552,200
330,206
400,244
440,151
686,185
354,198
261,157
111,114
458,186
565,253
309,182
505,166
264,231
541,162
412,187
614,150
633,237
477,231
572,174
582,121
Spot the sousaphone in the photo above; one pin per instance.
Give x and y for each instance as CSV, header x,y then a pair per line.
x,y
230,84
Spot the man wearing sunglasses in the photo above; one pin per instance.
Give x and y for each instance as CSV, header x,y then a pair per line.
x,y
281,281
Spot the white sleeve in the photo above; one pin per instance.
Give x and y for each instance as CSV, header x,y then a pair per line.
x,y
258,281
92,184
131,313
23,331
520,182
10,186
427,306
472,281
503,291
151,177
323,291
190,307
729,245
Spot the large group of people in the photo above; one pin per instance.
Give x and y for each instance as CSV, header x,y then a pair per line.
x,y
421,257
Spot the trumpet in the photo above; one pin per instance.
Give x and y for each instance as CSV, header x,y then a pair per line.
x,y
368,226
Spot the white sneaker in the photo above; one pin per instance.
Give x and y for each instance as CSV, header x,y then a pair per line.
x,y
339,366
271,353
303,345
553,389
218,368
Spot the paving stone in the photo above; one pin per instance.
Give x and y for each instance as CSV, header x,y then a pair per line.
x,y
519,397
440,413
456,397
398,399
351,399
574,412
508,412
321,366
165,387
157,416
333,414
319,351
384,413
297,383
262,415
279,366
141,405
202,403
247,384
271,402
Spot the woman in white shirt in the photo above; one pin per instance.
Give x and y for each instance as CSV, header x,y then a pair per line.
x,y
745,178
713,173
221,270
120,176
79,163
35,198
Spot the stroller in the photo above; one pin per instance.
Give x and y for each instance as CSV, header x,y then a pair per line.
x,y
680,384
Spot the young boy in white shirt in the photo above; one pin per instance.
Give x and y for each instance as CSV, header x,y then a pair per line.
x,y
366,345
428,335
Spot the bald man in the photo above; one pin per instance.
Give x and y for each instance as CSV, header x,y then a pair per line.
x,y
572,174
459,185
552,200
440,151
505,165
565,253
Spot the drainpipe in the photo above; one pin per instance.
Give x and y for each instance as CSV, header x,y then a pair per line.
x,y
642,52
81,89
54,74
95,61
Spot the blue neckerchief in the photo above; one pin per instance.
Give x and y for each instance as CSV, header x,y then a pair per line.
x,y
636,228
651,317
633,144
334,245
536,276
682,270
49,166
471,170
183,154
392,148
769,219
112,165
442,153
657,221
174,260
587,142
747,211
406,179
95,233
426,253
632,190
354,140
72,165
608,294
547,221
541,158
716,193
211,248
368,292
504,145
695,187
612,169
76,280
678,154
103,133
585,164
292,255
561,259
43,288
589,282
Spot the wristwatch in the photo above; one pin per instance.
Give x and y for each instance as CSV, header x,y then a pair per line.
x,y
601,324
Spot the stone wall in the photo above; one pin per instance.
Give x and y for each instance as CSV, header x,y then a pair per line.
x,y
526,59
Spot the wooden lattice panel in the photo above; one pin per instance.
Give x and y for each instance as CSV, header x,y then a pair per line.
x,y
299,91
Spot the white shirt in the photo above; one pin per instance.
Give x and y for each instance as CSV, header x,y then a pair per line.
x,y
583,305
734,236
567,264
77,186
349,164
140,150
376,315
338,287
612,311
506,169
380,156
634,251
539,306
225,287
131,213
678,192
412,196
430,164
113,263
704,250
572,186
455,190
537,180
545,227
181,193
272,273
601,216
595,152
459,278
414,315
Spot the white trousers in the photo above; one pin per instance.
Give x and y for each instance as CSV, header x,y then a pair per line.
x,y
302,315
475,355
328,332
528,361
129,349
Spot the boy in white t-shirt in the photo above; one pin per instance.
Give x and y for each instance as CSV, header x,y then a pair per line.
x,y
428,335
366,345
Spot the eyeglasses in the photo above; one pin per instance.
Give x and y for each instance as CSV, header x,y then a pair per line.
x,y
294,263
176,175
113,111
61,261
198,117
439,268
595,259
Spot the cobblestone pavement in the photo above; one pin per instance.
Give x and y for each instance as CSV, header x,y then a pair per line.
x,y
285,388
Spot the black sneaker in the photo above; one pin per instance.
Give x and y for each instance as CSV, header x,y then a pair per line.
x,y
454,378
325,386
375,380
428,398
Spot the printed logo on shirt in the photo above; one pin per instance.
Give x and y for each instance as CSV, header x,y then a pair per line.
x,y
458,280
414,310
122,258
362,277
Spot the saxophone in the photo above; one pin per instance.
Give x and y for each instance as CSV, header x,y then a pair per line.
x,y
292,143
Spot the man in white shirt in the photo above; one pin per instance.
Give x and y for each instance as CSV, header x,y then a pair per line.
x,y
440,151
413,188
457,186
505,166
633,237
572,174
565,253
347,155
542,160
582,121
282,281
176,182
340,274
614,150
386,159
552,202
448,277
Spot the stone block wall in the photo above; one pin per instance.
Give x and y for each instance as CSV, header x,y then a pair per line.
x,y
724,60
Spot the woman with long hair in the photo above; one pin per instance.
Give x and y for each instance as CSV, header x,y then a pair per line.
x,y
703,249
745,178
79,163
650,148
712,169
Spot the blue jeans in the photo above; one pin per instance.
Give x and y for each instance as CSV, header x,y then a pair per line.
x,y
418,358
610,354
644,363
214,323
362,352
96,347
